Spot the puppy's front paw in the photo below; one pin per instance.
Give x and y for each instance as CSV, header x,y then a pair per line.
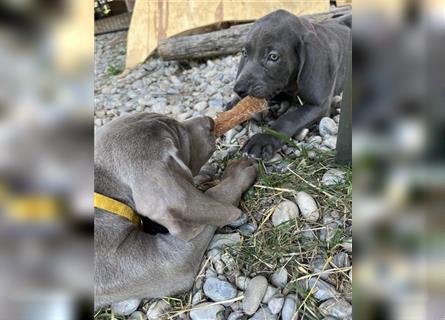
x,y
242,172
262,146
229,105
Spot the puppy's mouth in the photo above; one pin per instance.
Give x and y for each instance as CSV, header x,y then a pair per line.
x,y
259,92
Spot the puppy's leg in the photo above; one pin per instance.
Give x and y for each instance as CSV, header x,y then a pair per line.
x,y
160,265
264,146
229,105
238,177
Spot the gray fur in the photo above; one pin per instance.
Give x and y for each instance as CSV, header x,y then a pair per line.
x,y
311,64
148,161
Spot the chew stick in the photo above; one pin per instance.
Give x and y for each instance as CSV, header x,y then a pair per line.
x,y
244,110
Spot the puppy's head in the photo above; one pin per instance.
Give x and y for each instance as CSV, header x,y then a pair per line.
x,y
202,141
272,56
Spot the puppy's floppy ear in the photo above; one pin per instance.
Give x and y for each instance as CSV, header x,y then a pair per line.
x,y
304,37
301,54
175,202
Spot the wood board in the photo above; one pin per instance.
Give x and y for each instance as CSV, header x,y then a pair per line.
x,y
155,20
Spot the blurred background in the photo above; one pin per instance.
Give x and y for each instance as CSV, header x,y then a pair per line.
x,y
46,159
399,159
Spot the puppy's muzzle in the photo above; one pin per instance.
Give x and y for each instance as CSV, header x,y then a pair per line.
x,y
241,89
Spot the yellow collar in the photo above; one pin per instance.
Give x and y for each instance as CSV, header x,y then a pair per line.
x,y
116,207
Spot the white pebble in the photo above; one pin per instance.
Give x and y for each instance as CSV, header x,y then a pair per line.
x,y
254,293
279,278
308,206
285,211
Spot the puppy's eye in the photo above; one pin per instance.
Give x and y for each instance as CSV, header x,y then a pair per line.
x,y
244,53
273,57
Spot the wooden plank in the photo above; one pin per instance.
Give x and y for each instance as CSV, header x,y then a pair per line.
x,y
155,20
210,44
341,3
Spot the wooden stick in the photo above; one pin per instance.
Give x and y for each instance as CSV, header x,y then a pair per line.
x,y
243,111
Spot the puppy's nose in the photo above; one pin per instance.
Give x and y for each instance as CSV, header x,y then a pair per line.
x,y
240,89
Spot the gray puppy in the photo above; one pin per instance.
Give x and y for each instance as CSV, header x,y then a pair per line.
x,y
285,56
148,162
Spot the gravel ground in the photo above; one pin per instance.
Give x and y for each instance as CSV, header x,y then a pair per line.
x,y
289,255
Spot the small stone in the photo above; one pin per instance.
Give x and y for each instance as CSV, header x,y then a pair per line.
x,y
315,141
289,308
327,127
276,303
339,308
158,310
330,227
158,107
279,278
177,109
212,112
311,154
324,149
229,261
322,290
219,267
197,297
247,229
221,240
198,283
98,122
137,315
99,113
220,155
337,119
185,115
210,273
125,308
240,221
330,142
216,103
347,245
207,311
235,315
303,133
287,150
228,136
214,254
308,206
270,292
242,282
307,232
263,314
240,134
285,211
219,290
341,260
236,306
276,158
200,106
333,177
254,293
318,265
